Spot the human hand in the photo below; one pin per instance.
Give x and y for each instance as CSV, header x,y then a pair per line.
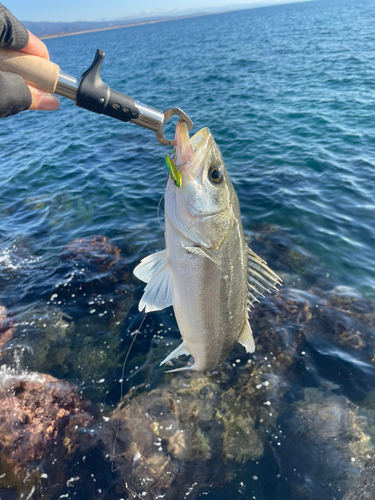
x,y
15,94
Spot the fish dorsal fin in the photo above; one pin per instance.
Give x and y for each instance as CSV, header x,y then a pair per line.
x,y
155,270
181,349
260,277
246,338
203,252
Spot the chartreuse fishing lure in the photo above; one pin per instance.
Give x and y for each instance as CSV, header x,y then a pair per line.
x,y
173,170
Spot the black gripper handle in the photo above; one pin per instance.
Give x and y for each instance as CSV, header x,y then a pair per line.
x,y
93,94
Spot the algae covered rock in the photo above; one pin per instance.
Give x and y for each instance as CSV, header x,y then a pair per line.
x,y
40,422
187,421
89,266
35,410
364,487
195,428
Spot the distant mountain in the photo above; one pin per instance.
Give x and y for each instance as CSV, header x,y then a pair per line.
x,y
45,29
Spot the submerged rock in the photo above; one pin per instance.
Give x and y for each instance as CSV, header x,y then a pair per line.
x,y
97,251
76,333
342,320
96,288
294,263
329,441
355,326
44,337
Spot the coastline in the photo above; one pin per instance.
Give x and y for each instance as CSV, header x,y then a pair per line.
x,y
163,20
128,25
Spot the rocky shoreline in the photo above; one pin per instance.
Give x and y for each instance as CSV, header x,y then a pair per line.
x,y
190,433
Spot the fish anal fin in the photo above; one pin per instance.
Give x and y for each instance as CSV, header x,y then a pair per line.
x,y
159,293
179,351
246,338
203,252
187,367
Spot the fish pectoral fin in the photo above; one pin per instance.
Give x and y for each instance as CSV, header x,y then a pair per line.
x,y
181,349
151,265
246,338
203,252
159,293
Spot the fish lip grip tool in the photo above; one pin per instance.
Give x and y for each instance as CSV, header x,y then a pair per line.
x,y
93,94
89,91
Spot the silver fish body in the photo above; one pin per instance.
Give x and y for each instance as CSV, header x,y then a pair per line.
x,y
211,309
204,271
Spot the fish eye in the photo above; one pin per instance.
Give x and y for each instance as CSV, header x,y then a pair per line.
x,y
215,174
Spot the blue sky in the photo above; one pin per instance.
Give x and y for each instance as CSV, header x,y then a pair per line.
x,y
95,10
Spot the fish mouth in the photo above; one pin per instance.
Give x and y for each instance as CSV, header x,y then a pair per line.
x,y
190,153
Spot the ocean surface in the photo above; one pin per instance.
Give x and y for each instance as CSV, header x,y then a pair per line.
x,y
289,95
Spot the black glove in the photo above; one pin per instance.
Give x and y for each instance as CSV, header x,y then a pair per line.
x,y
15,95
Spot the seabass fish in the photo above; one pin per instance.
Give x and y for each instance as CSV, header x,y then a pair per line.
x,y
207,272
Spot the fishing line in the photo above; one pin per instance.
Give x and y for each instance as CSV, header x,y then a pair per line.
x,y
122,390
133,492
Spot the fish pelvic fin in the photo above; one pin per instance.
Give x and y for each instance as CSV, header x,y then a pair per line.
x,y
246,338
260,277
155,270
179,351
